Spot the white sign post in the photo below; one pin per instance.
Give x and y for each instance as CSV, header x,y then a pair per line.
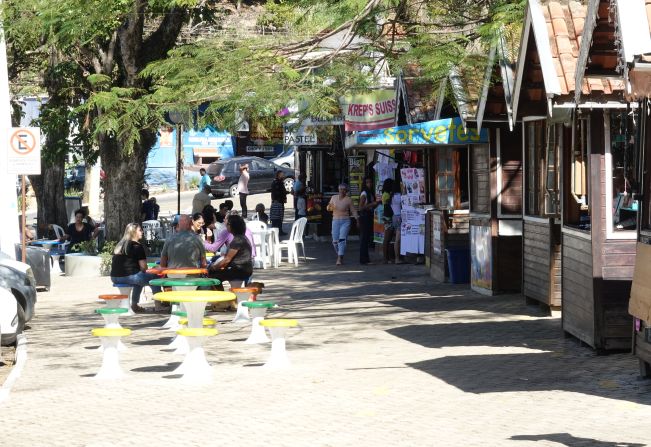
x,y
9,223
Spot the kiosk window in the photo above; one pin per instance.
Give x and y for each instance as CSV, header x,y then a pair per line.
x,y
543,143
451,180
576,196
623,166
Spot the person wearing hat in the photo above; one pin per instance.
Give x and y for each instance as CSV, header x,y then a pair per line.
x,y
243,188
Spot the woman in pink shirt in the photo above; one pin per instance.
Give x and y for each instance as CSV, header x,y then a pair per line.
x,y
342,208
224,237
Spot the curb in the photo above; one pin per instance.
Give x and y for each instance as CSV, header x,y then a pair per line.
x,y
21,359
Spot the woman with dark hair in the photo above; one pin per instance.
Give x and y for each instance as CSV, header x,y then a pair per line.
x,y
197,225
79,231
367,204
237,265
209,220
278,200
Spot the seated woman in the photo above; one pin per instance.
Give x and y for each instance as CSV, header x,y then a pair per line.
x,y
129,265
79,231
262,216
224,237
237,265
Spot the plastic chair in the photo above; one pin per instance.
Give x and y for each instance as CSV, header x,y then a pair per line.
x,y
60,232
295,238
260,231
152,230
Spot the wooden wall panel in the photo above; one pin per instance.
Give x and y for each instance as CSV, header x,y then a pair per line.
x,y
480,198
578,298
542,262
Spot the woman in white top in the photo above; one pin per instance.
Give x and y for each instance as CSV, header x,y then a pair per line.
x,y
342,208
243,188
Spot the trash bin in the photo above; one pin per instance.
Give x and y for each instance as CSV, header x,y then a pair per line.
x,y
459,264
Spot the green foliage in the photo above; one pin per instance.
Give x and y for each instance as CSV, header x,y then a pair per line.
x,y
193,183
107,257
85,247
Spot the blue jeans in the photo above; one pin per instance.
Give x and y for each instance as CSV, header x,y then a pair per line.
x,y
138,281
340,229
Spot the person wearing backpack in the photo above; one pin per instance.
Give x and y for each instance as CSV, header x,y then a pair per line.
x,y
391,207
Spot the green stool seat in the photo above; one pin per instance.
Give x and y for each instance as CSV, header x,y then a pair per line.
x,y
180,313
258,304
111,311
184,282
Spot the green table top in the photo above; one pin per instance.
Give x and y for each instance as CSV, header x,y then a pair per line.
x,y
172,282
258,304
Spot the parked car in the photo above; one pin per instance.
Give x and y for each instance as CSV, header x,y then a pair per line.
x,y
285,158
18,278
11,322
75,178
224,175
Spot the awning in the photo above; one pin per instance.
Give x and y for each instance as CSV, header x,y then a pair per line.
x,y
444,132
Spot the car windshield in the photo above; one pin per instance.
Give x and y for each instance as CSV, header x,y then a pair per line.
x,y
215,169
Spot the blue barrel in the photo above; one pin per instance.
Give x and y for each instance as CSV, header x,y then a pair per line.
x,y
459,264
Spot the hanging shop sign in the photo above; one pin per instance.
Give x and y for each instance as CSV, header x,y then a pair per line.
x,y
356,168
260,149
448,131
375,110
301,136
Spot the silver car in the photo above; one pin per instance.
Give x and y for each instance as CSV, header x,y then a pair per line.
x,y
285,158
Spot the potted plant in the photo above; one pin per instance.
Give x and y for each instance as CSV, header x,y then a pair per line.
x,y
83,260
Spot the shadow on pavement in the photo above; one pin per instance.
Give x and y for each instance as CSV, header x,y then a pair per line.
x,y
543,334
503,304
572,441
169,367
544,371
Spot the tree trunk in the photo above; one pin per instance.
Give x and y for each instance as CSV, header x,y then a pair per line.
x,y
125,175
48,189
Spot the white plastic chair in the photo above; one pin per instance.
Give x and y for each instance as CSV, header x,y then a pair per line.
x,y
152,230
259,231
60,233
295,238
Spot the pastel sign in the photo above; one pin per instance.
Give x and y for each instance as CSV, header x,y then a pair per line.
x,y
445,131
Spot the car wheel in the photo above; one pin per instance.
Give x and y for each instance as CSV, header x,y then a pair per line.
x,y
286,165
289,184
10,339
232,191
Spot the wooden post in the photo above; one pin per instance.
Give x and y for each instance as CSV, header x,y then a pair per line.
x,y
23,247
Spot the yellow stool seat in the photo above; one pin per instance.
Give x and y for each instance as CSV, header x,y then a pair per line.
x,y
197,332
110,332
206,321
279,322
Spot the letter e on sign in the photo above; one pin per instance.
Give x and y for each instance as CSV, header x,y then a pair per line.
x,y
24,151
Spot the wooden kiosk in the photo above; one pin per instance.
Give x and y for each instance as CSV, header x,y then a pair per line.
x,y
445,144
495,219
599,233
543,102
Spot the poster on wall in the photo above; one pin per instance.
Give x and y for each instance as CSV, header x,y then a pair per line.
x,y
313,206
481,259
412,230
356,168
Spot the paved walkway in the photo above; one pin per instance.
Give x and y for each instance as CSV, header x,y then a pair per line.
x,y
385,357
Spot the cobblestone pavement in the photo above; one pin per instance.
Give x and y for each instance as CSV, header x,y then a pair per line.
x,y
384,357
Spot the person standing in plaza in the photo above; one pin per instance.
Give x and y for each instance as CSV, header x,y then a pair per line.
x,y
298,190
243,188
204,179
278,200
201,199
367,205
149,209
342,208
184,248
129,265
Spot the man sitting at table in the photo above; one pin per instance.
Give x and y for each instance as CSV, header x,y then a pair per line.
x,y
224,238
183,248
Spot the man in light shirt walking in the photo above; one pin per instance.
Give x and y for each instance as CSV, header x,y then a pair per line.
x,y
243,188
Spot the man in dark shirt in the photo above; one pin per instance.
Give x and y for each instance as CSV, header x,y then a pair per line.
x,y
149,209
